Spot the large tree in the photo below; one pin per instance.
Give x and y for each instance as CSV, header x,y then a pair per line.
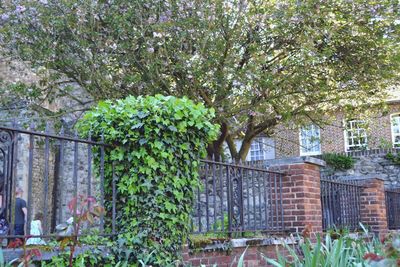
x,y
259,63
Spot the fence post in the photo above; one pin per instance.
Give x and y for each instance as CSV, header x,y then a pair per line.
x,y
373,206
301,188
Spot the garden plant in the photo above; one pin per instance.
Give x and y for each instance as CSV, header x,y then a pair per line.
x,y
341,251
156,146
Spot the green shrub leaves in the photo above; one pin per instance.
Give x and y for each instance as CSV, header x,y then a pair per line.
x,y
338,162
157,142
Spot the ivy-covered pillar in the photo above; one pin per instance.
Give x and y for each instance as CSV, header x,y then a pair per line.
x,y
157,143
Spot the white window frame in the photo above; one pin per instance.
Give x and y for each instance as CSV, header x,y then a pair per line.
x,y
304,147
359,132
393,127
257,146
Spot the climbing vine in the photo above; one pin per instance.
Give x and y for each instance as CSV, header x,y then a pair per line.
x,y
157,142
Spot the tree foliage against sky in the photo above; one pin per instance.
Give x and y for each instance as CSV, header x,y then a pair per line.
x,y
258,63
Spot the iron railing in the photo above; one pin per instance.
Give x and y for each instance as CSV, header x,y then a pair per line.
x,y
392,197
340,201
53,169
236,198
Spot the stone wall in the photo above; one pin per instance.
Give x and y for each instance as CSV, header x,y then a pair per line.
x,y
39,197
61,185
370,164
254,198
66,187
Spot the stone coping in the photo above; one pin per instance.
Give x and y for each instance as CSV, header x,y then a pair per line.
x,y
245,242
295,160
267,241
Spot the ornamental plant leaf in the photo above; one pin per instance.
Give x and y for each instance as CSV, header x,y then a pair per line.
x,y
156,168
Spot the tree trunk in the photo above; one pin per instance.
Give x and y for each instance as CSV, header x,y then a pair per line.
x,y
244,149
214,150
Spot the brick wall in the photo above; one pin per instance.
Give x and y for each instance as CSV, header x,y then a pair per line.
x,y
380,128
254,256
332,136
302,197
373,206
286,141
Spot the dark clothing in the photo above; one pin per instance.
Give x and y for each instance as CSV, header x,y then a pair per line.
x,y
19,214
19,229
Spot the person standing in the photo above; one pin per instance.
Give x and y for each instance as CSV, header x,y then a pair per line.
x,y
36,229
21,212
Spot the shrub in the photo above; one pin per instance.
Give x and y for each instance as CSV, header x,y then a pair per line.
x,y
157,142
395,158
338,162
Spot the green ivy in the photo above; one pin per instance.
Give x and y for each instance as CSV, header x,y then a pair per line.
x,y
395,158
157,142
338,162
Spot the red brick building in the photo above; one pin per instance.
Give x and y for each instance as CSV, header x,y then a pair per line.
x,y
378,130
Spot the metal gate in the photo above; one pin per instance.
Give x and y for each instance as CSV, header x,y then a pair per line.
x,y
7,150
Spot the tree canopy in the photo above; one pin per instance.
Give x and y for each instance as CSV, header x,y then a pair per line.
x,y
258,63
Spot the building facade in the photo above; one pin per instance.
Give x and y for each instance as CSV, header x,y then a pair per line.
x,y
341,135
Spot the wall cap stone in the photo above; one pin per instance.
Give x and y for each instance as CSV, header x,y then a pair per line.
x,y
295,160
367,179
244,242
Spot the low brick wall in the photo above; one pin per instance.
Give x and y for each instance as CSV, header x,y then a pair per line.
x,y
256,252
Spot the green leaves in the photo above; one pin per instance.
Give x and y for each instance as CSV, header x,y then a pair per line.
x,y
267,63
156,142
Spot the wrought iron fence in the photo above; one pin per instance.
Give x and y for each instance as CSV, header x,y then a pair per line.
x,y
392,197
53,169
235,198
340,201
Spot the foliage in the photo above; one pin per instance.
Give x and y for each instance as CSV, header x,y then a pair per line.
x,y
258,63
395,158
342,251
338,161
157,143
83,209
385,144
92,257
98,251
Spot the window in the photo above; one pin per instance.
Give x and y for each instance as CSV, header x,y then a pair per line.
x,y
310,140
257,149
356,135
395,118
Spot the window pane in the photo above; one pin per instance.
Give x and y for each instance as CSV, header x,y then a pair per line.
x,y
395,119
310,140
356,135
257,149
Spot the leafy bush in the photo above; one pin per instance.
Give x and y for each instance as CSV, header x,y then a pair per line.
x,y
338,162
395,158
157,142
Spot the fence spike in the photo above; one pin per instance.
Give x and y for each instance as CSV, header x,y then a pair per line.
x,y
47,129
62,130
15,123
